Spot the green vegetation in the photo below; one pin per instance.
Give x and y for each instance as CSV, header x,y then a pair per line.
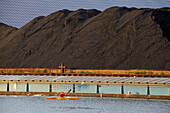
x,y
43,71
136,72
2,71
162,73
40,71
14,71
89,72
37,71
141,73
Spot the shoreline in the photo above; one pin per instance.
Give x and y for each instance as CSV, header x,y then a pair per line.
x,y
91,95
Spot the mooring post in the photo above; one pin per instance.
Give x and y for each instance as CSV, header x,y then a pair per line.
x,y
122,89
7,87
98,88
50,88
148,90
27,88
73,88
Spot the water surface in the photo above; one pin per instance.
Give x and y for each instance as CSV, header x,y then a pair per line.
x,y
24,104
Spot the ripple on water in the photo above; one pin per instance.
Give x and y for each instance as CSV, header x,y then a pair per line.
x,y
24,104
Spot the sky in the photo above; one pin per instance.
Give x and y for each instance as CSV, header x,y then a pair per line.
x,y
17,13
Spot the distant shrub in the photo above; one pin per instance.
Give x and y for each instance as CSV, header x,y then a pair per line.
x,y
136,72
162,73
37,71
89,72
141,72
43,71
14,71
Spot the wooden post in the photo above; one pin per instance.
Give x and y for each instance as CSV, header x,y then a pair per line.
x,y
62,67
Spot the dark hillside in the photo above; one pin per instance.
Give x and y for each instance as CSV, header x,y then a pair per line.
x,y
117,38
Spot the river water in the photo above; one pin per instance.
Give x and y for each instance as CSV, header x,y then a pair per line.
x,y
25,104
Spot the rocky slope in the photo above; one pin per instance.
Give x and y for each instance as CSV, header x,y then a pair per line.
x,y
117,38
